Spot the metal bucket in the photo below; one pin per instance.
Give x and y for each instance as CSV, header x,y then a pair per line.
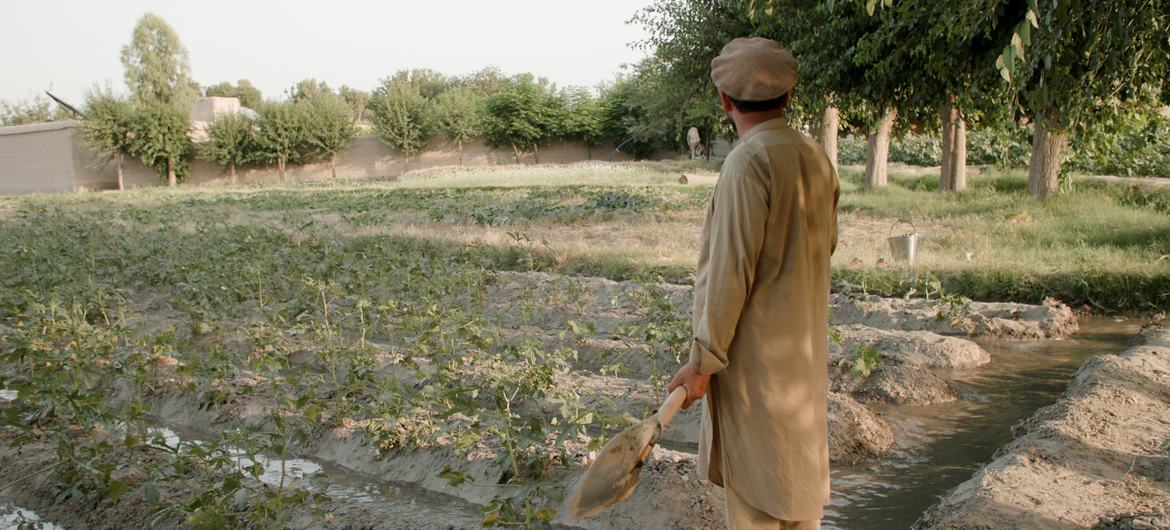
x,y
903,246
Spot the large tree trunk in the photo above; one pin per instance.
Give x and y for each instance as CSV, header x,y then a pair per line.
x,y
953,173
118,168
333,165
830,125
280,168
535,154
1047,157
878,153
172,180
460,154
232,173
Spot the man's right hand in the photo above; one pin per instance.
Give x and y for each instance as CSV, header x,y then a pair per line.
x,y
688,377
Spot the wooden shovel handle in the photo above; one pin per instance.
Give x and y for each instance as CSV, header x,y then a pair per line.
x,y
671,406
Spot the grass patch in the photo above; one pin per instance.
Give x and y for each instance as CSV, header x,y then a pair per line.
x,y
1099,244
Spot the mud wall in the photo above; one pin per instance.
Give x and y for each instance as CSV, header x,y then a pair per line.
x,y
37,158
50,157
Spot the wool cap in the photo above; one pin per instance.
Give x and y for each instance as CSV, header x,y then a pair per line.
x,y
754,69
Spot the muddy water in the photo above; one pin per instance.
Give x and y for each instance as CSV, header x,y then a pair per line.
x,y
15,517
940,446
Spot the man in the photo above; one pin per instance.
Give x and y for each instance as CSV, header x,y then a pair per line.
x,y
761,303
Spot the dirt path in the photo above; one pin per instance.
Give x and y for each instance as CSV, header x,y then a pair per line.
x,y
1098,457
1136,181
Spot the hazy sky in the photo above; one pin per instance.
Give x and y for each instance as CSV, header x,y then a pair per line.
x,y
70,45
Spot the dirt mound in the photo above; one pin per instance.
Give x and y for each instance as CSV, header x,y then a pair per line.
x,y
898,384
1101,451
855,432
983,319
915,348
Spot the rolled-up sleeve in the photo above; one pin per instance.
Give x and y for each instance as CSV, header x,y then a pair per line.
x,y
735,235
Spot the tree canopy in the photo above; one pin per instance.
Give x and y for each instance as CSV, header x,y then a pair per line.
x,y
401,114
156,63
243,90
524,113
158,137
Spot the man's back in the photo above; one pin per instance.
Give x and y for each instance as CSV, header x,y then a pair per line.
x,y
770,231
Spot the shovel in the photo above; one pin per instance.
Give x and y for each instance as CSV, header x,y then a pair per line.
x,y
612,477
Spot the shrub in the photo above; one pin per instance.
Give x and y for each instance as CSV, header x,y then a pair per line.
x,y
917,150
1131,143
851,150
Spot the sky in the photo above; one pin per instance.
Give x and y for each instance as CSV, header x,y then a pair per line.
x,y
73,45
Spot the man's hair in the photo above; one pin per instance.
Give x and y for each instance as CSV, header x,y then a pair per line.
x,y
760,106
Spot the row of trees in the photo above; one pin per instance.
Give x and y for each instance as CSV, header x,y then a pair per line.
x,y
158,134
314,122
517,112
1061,67
36,109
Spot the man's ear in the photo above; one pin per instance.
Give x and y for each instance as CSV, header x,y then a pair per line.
x,y
726,100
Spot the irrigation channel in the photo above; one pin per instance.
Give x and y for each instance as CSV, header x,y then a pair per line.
x,y
940,446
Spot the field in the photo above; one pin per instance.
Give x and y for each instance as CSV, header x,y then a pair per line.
x,y
471,333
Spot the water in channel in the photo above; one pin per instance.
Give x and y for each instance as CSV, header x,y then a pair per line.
x,y
940,446
407,505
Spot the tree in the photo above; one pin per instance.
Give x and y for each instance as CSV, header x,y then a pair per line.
x,y
309,89
839,69
329,126
243,90
400,115
456,113
231,142
158,137
523,114
429,83
954,76
356,99
37,109
584,118
675,88
631,116
107,129
1072,59
156,64
486,82
282,134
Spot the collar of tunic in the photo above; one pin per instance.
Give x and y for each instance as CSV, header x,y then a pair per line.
x,y
774,123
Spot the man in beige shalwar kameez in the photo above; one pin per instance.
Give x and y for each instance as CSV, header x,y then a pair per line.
x,y
761,303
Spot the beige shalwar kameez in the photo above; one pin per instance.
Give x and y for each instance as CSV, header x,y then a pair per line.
x,y
760,319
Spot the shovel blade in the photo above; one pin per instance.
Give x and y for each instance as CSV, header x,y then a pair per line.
x,y
612,477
